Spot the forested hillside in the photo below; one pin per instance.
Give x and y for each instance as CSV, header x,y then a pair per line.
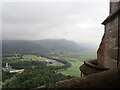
x,y
40,75
41,46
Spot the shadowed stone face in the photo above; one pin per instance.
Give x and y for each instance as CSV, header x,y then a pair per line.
x,y
108,52
114,6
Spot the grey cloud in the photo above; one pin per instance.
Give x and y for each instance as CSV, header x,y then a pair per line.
x,y
80,22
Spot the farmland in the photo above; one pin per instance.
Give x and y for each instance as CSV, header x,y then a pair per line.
x,y
74,69
76,62
76,59
29,56
84,55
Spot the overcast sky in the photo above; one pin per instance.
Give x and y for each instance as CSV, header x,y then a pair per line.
x,y
78,21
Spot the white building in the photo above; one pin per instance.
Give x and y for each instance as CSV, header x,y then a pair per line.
x,y
17,71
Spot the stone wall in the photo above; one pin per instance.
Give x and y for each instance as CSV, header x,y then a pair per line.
x,y
105,79
91,67
114,6
108,51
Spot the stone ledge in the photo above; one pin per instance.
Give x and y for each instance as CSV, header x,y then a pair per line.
x,y
91,67
105,79
94,64
111,17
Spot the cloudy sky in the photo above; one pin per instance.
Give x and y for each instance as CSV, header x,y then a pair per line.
x,y
78,21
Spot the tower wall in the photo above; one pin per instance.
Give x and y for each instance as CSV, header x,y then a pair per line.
x,y
108,52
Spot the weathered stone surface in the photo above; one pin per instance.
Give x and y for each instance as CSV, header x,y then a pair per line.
x,y
105,79
108,52
114,6
90,67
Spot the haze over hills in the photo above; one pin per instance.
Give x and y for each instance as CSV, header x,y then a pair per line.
x,y
40,46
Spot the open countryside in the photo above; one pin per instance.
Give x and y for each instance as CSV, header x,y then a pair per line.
x,y
76,60
39,58
29,56
74,69
41,63
60,45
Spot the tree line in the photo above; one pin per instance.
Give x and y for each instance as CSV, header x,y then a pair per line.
x,y
40,75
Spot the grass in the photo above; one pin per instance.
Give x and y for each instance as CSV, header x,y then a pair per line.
x,y
74,70
84,55
29,56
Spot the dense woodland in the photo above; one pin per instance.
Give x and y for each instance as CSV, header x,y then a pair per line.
x,y
40,75
41,47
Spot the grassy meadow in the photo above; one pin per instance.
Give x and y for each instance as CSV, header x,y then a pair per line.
x,y
77,62
74,69
29,56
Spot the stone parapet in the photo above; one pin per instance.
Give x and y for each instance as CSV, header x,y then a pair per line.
x,y
91,67
105,79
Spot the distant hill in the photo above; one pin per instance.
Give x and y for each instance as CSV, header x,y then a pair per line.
x,y
39,46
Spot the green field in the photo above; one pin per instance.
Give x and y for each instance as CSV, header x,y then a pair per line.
x,y
74,69
29,56
84,55
87,56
